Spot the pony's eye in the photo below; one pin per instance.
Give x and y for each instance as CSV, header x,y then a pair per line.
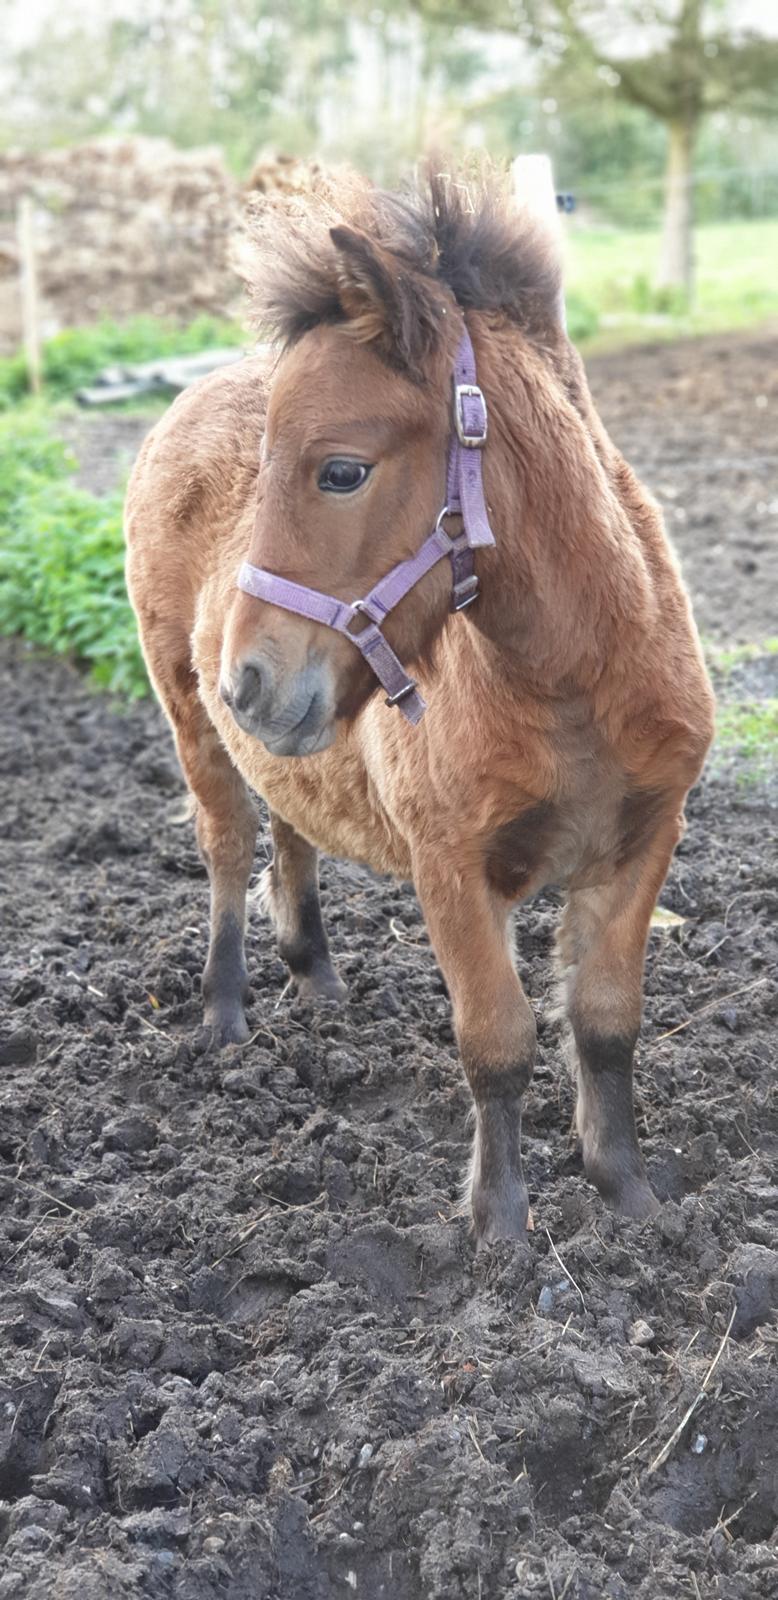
x,y
342,476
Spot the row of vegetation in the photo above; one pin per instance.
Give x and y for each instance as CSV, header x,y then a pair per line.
x,y
75,356
642,107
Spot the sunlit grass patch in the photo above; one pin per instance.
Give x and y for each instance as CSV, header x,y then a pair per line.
x,y
747,738
723,659
614,270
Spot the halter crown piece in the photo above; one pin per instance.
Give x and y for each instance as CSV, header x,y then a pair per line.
x,y
464,498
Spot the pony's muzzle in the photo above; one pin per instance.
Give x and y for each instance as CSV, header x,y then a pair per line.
x,y
292,714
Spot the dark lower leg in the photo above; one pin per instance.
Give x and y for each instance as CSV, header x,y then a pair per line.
x,y
495,1031
606,1122
602,943
225,978
226,825
498,1193
292,896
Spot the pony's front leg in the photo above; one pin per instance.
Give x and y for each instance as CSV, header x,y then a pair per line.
x,y
226,827
496,1034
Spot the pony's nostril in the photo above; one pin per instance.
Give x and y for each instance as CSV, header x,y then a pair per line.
x,y
225,694
248,688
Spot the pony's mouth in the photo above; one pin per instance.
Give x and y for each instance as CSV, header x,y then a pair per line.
x,y
296,742
305,736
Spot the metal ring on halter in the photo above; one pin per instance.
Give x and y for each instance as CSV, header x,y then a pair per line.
x,y
358,605
446,512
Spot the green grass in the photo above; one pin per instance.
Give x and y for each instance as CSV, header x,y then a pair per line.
x,y
613,271
62,557
74,357
722,659
747,737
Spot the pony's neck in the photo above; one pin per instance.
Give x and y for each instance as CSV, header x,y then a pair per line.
x,y
568,577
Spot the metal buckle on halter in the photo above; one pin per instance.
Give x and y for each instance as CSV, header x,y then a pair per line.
x,y
463,594
470,391
394,699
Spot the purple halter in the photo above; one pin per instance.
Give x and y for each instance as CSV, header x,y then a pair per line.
x,y
464,497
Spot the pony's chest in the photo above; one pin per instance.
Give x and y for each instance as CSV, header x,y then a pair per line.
x,y
326,798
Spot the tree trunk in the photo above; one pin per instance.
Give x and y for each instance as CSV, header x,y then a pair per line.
x,y
676,267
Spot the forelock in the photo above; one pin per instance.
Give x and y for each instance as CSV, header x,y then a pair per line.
x,y
462,231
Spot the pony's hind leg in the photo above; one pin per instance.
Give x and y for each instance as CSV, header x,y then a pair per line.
x,y
226,827
290,890
496,1034
601,945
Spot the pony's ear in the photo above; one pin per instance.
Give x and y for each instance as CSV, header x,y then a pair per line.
x,y
385,303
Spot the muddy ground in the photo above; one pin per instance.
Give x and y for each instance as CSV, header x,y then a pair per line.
x,y
247,1348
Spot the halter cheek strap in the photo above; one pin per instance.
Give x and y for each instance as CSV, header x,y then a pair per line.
x,y
464,498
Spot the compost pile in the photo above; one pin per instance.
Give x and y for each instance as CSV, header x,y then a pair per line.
x,y
248,1349
130,225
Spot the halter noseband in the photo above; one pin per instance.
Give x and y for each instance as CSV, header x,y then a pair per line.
x,y
464,497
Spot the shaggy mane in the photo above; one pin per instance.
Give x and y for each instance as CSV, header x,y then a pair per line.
x,y
461,232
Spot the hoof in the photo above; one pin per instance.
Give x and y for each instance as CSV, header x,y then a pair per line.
x,y
629,1195
227,1027
322,985
619,1176
500,1214
636,1200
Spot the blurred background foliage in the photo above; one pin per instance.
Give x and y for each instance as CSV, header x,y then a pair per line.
x,y
653,111
594,84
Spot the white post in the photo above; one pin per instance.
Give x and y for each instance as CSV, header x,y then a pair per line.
x,y
28,285
533,186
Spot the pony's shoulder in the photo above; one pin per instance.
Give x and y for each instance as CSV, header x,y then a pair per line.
x,y
232,394
205,449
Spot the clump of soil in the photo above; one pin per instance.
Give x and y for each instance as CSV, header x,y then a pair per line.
x,y
127,225
247,1347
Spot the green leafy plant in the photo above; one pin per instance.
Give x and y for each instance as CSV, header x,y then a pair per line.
x,y
62,558
74,356
644,296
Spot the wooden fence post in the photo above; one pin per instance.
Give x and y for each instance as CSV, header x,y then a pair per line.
x,y
28,285
533,186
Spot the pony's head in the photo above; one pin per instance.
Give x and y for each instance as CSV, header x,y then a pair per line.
x,y
365,291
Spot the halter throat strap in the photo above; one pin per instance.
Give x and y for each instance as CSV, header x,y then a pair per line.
x,y
464,498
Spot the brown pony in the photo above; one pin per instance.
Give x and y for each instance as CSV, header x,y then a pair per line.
x,y
568,709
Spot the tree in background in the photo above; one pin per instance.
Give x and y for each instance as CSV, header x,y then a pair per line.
x,y
679,63
679,60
